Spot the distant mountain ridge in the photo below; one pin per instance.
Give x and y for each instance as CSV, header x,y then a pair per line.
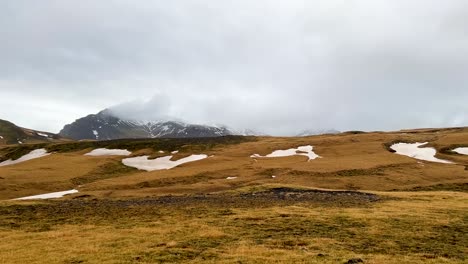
x,y
249,132
315,132
106,126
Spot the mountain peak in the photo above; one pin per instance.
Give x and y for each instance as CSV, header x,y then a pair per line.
x,y
105,126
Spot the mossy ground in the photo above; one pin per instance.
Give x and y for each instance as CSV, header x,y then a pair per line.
x,y
397,228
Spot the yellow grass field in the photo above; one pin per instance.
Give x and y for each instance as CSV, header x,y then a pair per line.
x,y
357,202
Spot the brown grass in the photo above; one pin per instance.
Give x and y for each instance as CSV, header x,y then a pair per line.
x,y
424,227
424,224
349,161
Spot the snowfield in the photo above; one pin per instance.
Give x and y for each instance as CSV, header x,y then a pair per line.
x,y
108,152
301,151
413,150
42,134
463,151
48,195
37,153
163,163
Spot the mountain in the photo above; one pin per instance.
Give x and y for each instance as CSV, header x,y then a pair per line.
x,y
105,126
13,134
312,132
247,132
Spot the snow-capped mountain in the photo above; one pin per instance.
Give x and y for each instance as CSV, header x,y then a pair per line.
x,y
104,126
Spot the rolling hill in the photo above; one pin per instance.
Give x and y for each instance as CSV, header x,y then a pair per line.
x,y
13,134
347,161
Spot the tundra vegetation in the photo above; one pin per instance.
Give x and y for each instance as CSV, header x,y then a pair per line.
x,y
358,202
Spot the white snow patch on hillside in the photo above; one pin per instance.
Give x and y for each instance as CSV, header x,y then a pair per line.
x,y
42,134
37,153
302,151
108,152
96,134
231,178
48,195
413,150
1,137
175,152
163,163
463,151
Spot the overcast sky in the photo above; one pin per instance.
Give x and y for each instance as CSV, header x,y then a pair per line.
x,y
274,66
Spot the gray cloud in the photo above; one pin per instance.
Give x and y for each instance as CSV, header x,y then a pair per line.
x,y
156,108
270,65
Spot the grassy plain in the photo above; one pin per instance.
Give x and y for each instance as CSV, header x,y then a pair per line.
x,y
396,209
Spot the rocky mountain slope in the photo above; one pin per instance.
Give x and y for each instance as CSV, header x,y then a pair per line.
x,y
105,126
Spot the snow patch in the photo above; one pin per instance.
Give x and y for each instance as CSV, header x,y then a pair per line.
x,y
301,151
108,152
96,134
163,163
231,178
413,150
37,153
175,152
42,134
48,195
463,151
161,151
1,137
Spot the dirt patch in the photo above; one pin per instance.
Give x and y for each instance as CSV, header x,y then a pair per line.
x,y
319,196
